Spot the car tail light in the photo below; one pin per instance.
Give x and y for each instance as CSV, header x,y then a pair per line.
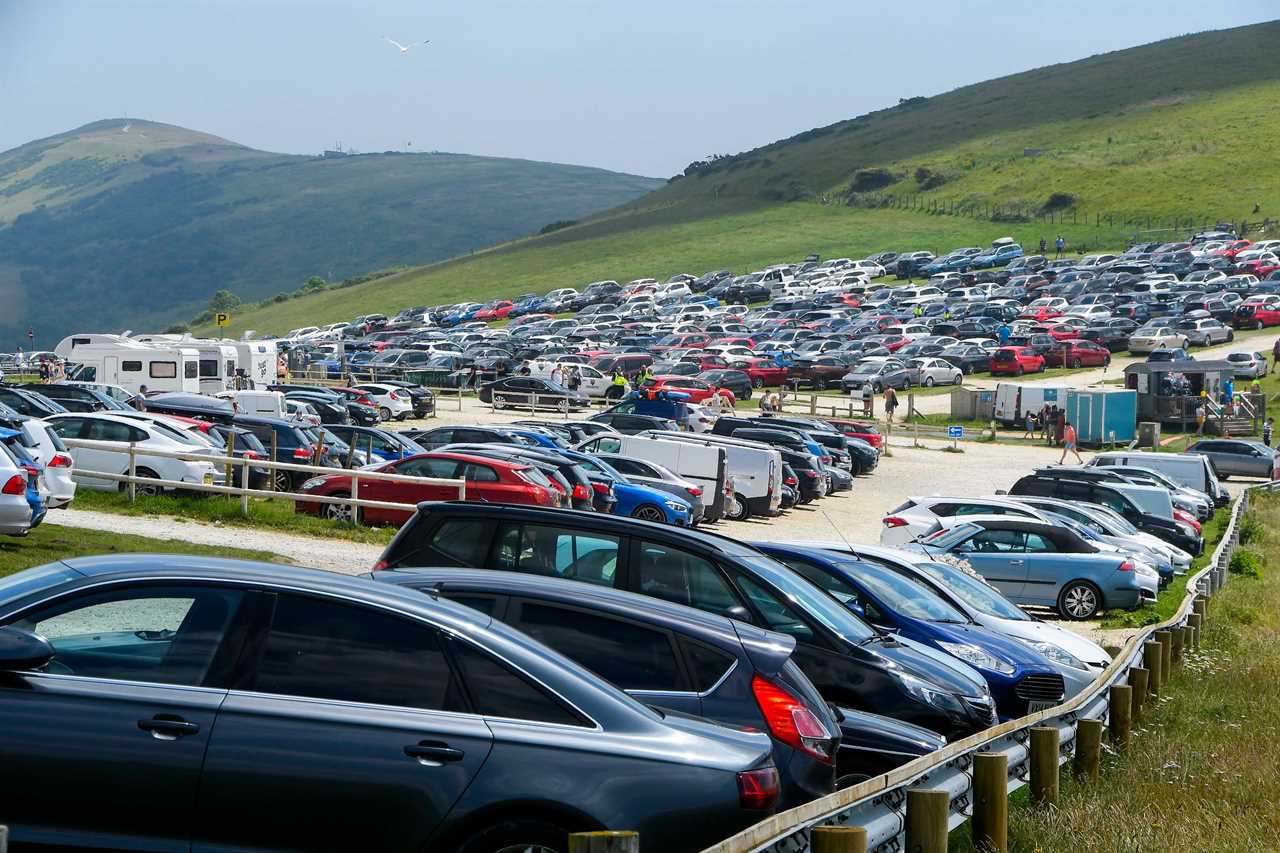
x,y
809,472
251,454
581,492
694,491
15,485
825,460
60,460
394,395
303,453
1126,566
893,521
790,721
600,488
758,789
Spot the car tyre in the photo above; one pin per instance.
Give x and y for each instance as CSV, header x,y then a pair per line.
x,y
649,512
144,488
1231,335
878,388
342,512
518,836
1257,324
1079,600
1075,363
1020,371
928,382
499,401
758,382
957,378
283,483
384,414
736,509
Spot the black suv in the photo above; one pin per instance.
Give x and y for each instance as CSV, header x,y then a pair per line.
x,y
849,661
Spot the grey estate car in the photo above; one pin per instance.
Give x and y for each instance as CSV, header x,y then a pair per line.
x,y
1238,457
227,704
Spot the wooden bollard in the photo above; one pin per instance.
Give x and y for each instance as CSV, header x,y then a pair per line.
x,y
927,813
1120,715
1151,658
1201,608
991,802
1138,683
604,842
1044,765
1166,656
1088,749
838,839
1193,622
1175,637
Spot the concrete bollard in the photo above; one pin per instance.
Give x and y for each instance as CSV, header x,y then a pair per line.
x,y
837,839
1044,765
1088,749
1120,715
1138,682
927,812
991,802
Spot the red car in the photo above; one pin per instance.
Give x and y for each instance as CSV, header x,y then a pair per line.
x,y
491,480
699,390
355,395
495,310
1078,353
1063,332
1258,311
1041,313
1186,518
860,429
735,342
1230,251
764,371
1015,361
1261,266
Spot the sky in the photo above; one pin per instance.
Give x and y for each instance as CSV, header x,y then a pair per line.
x,y
645,86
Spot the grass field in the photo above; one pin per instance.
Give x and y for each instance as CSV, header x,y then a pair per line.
x,y
1200,772
50,542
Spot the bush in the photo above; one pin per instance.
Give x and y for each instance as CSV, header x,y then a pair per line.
x,y
927,179
557,225
1251,530
1245,563
1059,201
867,180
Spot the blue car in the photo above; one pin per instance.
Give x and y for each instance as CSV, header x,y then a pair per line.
x,y
12,440
1021,679
539,437
635,500
378,444
997,257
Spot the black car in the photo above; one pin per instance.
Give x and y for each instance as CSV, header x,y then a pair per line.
x,y
437,437
293,443
423,400
78,398
29,403
851,664
524,392
185,405
813,482
736,381
332,410
244,445
970,358
629,424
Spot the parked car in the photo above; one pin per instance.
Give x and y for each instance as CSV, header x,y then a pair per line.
x,y
378,444
120,434
646,473
879,374
17,513
1076,353
1238,457
468,721
1248,365
292,442
1016,361
531,392
1147,339
933,371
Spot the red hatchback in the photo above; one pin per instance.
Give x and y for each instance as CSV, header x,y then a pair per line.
x,y
490,480
1015,361
699,390
764,371
1078,353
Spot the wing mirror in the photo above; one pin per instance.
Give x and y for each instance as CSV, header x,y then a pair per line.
x,y
23,650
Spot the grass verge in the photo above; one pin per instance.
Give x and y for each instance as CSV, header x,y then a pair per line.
x,y
1200,773
264,514
50,542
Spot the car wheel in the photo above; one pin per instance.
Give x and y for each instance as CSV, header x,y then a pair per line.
x,y
928,382
564,405
1019,371
342,512
736,508
878,388
957,378
1257,324
1231,335
499,401
649,512
144,488
518,836
1106,362
282,482
1079,600
1075,364
758,382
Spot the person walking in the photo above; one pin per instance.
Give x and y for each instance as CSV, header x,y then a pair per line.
x,y
1069,443
1060,245
766,404
1031,426
868,400
1060,431
890,402
1003,332
140,402
557,375
575,378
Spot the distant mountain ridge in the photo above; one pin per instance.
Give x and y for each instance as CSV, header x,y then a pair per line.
x,y
125,222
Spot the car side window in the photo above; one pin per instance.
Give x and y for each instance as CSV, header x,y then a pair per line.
x,y
995,542
456,542
633,657
320,649
1037,544
67,427
544,549
100,430
476,473
707,665
676,575
777,614
162,635
443,468
498,691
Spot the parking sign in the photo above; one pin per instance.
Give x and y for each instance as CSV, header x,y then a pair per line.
x,y
955,432
221,318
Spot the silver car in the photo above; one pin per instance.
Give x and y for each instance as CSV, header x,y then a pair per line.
x,y
1238,457
1248,365
1205,331
15,510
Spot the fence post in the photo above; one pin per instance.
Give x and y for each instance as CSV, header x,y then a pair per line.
x,y
927,811
355,495
1088,749
244,487
838,839
813,403
1193,622
1152,660
991,802
133,471
1138,681
1175,636
1044,765
275,446
604,842
1119,714
1165,639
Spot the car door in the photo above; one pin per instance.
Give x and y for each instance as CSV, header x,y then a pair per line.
x,y
405,492
347,729
104,746
999,556
1044,570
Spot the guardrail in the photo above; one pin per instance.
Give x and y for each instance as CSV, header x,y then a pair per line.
x,y
880,806
136,455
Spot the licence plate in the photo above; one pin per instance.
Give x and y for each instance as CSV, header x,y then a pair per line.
x,y
208,479
1042,705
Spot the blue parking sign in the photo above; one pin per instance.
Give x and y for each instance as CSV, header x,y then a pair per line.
x,y
955,432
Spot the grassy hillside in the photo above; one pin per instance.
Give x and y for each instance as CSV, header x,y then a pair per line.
x,y
132,223
1166,130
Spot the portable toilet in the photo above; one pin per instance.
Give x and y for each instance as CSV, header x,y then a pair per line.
x,y
1103,415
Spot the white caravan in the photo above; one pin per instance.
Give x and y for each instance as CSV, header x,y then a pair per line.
x,y
123,361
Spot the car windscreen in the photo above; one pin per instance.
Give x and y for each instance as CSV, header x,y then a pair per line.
x,y
949,537
974,592
814,602
902,594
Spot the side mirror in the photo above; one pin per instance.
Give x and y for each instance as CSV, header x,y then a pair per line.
x,y
23,650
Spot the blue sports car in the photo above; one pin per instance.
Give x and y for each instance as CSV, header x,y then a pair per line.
x,y
1021,679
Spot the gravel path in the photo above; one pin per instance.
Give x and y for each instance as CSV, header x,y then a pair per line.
x,y
336,555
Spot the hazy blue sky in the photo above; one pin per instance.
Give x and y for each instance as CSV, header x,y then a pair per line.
x,y
642,86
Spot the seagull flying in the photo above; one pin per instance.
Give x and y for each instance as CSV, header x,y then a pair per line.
x,y
405,48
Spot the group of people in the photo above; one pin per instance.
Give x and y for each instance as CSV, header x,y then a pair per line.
x,y
1050,424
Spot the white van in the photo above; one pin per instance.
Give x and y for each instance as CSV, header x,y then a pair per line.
x,y
1192,470
754,467
1014,400
594,383
266,404
706,465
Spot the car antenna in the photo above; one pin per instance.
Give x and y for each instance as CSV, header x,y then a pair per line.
x,y
839,533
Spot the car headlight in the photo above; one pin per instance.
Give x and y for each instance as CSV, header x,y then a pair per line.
x,y
929,694
1057,654
1187,529
313,483
676,506
975,656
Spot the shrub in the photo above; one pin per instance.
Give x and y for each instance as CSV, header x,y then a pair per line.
x,y
557,225
1252,530
927,179
1245,563
867,180
1059,201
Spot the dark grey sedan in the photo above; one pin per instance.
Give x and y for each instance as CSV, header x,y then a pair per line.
x,y
879,374
1239,457
282,708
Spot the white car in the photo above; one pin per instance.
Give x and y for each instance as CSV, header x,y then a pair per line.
x,y
118,434
1157,337
920,515
46,447
393,403
934,371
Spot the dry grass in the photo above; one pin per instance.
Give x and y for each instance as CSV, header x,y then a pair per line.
x,y
1201,773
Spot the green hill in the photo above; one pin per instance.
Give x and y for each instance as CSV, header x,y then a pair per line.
x,y
1100,150
133,223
